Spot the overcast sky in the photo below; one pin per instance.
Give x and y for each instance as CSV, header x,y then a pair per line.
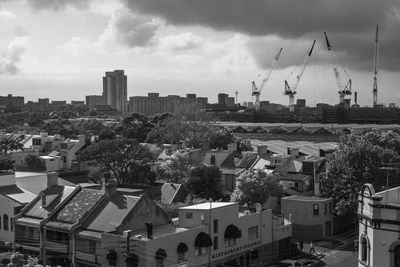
x,y
61,48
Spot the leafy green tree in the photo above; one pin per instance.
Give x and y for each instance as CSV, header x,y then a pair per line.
x,y
357,161
219,138
175,169
32,163
10,143
255,187
126,159
135,126
6,164
205,182
106,133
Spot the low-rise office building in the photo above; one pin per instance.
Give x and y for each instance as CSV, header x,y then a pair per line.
x,y
215,233
311,216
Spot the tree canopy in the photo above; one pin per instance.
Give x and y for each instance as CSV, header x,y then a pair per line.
x,y
357,161
255,187
205,182
126,159
175,169
32,163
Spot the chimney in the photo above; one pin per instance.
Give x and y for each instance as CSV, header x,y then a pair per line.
x,y
110,187
232,147
52,179
82,139
262,150
149,228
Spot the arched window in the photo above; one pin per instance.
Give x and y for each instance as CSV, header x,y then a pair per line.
x,y
394,251
160,257
364,249
232,232
201,243
181,250
397,256
5,222
0,223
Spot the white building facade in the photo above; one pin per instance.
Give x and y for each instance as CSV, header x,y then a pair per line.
x,y
379,227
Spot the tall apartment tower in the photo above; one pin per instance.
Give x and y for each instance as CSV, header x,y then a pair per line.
x,y
115,90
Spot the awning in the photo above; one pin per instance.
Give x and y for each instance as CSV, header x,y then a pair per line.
x,y
203,240
232,231
182,248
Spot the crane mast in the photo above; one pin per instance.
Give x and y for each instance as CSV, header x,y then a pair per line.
x,y
344,89
291,90
256,91
375,88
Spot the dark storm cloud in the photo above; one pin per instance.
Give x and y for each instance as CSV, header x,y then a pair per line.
x,y
57,4
351,24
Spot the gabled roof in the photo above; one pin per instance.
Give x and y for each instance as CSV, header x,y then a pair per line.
x,y
78,206
112,213
245,160
35,182
37,211
173,193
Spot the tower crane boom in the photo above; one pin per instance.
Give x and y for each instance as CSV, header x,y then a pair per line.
x,y
375,88
291,90
344,89
256,90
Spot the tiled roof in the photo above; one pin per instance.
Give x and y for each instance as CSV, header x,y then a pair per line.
x,y
113,213
81,203
245,160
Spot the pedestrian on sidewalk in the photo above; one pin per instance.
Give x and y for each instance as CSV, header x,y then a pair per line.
x,y
301,245
312,249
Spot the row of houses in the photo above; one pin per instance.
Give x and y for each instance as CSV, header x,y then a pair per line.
x,y
75,226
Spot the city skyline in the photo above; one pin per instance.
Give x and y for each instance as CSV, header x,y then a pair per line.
x,y
162,51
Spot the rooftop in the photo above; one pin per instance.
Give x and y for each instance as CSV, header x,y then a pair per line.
x,y
208,205
306,198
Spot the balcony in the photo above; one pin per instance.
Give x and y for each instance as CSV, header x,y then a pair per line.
x,y
282,228
87,257
57,247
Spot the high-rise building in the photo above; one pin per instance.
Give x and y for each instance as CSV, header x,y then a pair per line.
x,y
115,90
14,101
94,100
223,99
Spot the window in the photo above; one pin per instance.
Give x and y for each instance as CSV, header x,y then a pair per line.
x,y
215,242
364,249
253,233
0,222
212,159
92,246
5,222
330,207
397,256
254,254
326,208
65,159
316,209
160,257
12,224
36,141
215,226
200,251
230,242
189,215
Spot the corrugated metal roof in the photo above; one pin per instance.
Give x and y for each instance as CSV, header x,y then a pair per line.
x,y
36,182
29,221
80,204
37,211
245,160
16,193
113,213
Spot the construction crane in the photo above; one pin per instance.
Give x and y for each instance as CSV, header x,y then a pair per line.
x,y
291,90
256,91
344,89
375,88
